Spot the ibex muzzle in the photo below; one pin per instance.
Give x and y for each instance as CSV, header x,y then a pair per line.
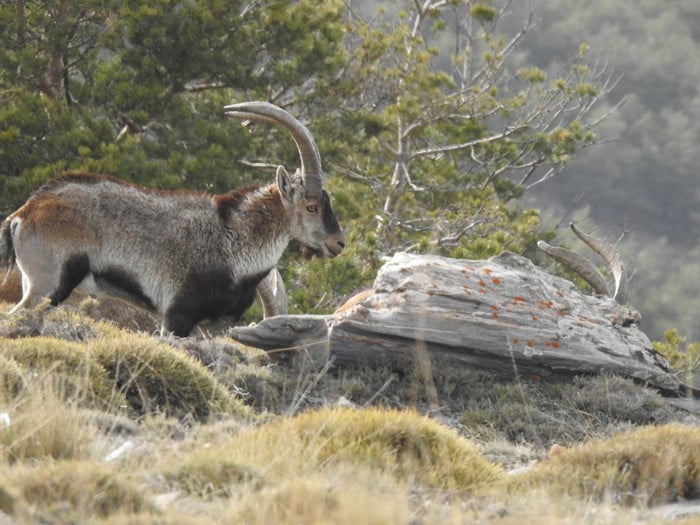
x,y
189,256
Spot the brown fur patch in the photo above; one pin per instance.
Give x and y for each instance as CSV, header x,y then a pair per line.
x,y
266,214
231,201
53,217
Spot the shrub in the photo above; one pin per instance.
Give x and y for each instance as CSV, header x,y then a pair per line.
x,y
684,361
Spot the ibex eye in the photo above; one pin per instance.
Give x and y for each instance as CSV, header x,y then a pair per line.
x,y
311,208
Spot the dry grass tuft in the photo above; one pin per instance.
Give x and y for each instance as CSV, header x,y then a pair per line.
x,y
79,375
403,444
40,424
154,376
322,502
12,380
71,492
544,413
116,368
649,466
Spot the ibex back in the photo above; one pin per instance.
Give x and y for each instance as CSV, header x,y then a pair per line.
x,y
189,256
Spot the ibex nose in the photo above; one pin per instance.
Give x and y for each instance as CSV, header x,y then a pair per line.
x,y
335,245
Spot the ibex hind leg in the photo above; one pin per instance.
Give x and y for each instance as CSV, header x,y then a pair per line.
x,y
55,284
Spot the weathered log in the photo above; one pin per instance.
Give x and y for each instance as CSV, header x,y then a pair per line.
x,y
504,315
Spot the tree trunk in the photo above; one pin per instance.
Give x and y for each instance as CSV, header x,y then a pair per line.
x,y
503,315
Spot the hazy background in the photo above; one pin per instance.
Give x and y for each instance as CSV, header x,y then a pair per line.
x,y
645,180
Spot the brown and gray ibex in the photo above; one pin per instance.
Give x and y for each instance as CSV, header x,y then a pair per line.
x,y
189,256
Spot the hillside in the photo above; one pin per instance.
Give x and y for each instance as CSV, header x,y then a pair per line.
x,y
104,424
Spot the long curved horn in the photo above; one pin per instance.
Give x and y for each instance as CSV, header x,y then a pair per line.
x,y
612,259
311,170
582,266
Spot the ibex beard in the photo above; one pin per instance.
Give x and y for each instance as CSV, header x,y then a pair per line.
x,y
186,255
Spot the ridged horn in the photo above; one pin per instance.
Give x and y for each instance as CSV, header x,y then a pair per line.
x,y
582,266
612,259
310,158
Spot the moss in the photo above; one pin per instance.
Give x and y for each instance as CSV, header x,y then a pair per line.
x,y
649,465
157,377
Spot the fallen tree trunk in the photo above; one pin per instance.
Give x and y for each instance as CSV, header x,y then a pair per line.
x,y
503,314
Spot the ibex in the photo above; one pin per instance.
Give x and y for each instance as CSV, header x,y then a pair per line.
x,y
189,256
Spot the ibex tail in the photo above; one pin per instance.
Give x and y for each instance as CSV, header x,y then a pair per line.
x,y
7,250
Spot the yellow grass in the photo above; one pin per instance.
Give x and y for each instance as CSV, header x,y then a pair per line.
x,y
402,444
649,465
197,456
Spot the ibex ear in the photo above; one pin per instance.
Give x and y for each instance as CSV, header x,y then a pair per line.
x,y
284,183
